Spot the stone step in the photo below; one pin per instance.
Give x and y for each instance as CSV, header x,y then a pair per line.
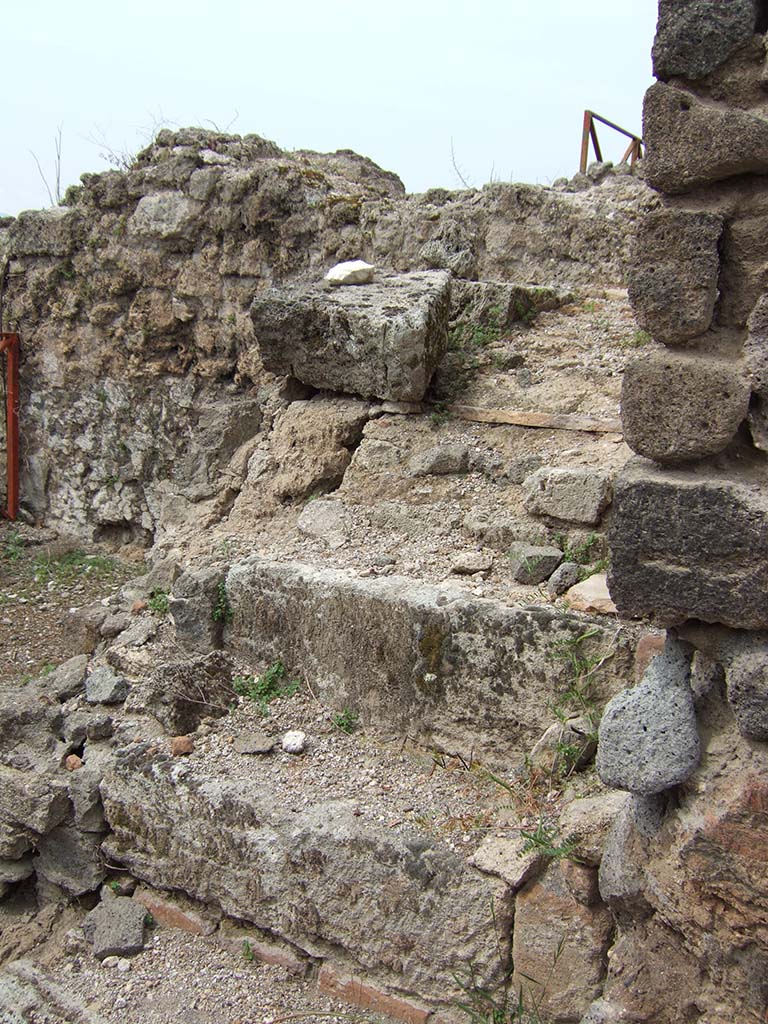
x,y
466,675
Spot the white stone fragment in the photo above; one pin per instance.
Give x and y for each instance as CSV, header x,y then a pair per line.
x,y
350,272
295,742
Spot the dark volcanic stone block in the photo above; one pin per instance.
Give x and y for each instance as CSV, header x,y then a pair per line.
x,y
673,273
693,37
692,543
691,143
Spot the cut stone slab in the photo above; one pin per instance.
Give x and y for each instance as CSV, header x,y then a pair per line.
x,y
383,340
350,272
691,543
648,738
116,927
533,564
575,495
676,407
692,144
67,679
324,879
191,606
591,595
105,686
693,37
673,272
412,656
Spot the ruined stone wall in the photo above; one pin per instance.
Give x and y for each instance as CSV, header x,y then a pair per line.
x,y
684,869
142,392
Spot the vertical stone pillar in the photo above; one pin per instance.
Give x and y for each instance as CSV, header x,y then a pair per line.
x,y
683,869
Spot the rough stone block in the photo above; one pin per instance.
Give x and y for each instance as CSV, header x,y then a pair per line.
x,y
673,272
648,738
744,274
575,495
105,686
401,907
50,232
747,687
413,656
34,801
180,694
549,919
693,37
191,606
380,340
692,543
71,859
531,563
676,407
690,143
116,927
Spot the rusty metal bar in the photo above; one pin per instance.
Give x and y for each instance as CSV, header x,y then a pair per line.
x,y
9,344
634,150
585,141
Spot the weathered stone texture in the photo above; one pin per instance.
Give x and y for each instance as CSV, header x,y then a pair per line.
x,y
406,910
693,37
692,144
379,340
448,670
562,944
677,407
691,544
673,274
575,495
648,739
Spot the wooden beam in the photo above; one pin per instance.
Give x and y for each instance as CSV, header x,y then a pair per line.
x,y
513,417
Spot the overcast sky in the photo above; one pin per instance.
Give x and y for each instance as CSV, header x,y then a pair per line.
x,y
504,81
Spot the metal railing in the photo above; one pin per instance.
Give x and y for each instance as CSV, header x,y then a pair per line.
x,y
9,346
633,152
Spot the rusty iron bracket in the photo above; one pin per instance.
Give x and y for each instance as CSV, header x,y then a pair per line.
x,y
9,344
633,152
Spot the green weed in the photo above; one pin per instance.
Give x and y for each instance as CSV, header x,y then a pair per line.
x,y
263,689
345,720
545,839
637,340
222,610
248,954
68,567
158,601
13,546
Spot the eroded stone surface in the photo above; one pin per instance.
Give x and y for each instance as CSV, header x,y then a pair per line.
x,y
407,909
449,669
677,407
691,143
693,37
379,340
649,739
673,274
673,559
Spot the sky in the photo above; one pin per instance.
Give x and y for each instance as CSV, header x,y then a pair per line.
x,y
435,90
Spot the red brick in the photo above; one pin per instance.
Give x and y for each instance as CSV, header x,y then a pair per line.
x,y
175,914
350,990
